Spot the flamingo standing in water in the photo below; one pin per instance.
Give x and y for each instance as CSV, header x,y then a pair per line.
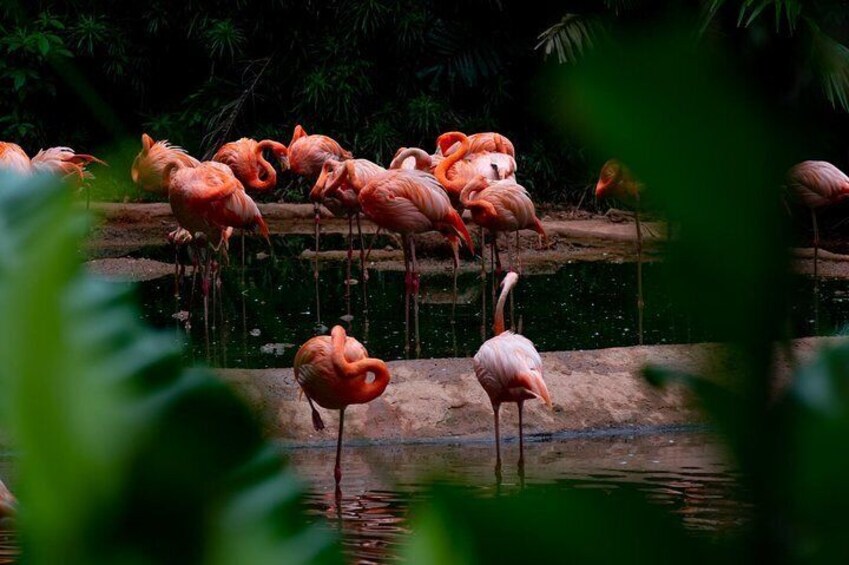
x,y
509,369
245,157
410,202
208,201
307,154
616,180
333,371
338,188
817,184
501,206
461,165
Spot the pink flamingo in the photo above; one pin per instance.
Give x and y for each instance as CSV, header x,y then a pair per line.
x,y
486,142
8,503
149,165
460,165
338,188
245,157
415,158
817,184
501,206
615,180
332,372
14,159
411,202
509,369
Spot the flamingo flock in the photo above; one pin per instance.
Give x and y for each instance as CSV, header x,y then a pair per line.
x,y
418,192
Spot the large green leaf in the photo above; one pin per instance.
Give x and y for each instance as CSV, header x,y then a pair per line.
x,y
124,456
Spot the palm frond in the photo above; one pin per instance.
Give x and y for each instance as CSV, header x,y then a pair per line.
x,y
831,59
568,38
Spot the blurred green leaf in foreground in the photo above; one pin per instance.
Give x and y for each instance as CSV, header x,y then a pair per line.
x,y
124,456
670,105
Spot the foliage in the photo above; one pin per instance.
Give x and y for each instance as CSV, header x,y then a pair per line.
x,y
728,269
125,457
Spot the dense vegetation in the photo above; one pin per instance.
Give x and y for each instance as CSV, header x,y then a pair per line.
x,y
376,74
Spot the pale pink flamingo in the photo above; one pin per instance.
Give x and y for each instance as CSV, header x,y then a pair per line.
x,y
817,184
486,142
615,180
501,206
245,157
307,154
149,165
14,159
333,372
338,188
410,202
415,158
8,503
509,369
461,165
64,162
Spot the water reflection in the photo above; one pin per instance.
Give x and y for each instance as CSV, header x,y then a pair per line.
x,y
580,306
382,484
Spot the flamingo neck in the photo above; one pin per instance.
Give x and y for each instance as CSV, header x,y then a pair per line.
x,y
360,391
441,172
499,307
423,160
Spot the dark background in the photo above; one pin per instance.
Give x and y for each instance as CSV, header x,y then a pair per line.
x,y
379,74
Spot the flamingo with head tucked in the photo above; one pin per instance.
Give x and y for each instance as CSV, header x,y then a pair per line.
x,y
817,184
509,369
486,142
245,157
415,158
333,372
63,161
461,165
14,159
149,165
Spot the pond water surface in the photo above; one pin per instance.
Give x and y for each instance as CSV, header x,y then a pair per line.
x,y
266,311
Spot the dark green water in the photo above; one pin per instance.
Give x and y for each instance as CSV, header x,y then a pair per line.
x,y
264,313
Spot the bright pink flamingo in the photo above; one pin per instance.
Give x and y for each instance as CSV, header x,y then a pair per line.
x,y
333,373
208,201
509,369
817,184
501,206
149,165
615,180
245,157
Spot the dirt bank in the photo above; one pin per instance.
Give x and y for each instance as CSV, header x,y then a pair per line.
x,y
441,398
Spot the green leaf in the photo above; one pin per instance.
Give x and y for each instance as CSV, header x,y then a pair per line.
x,y
124,456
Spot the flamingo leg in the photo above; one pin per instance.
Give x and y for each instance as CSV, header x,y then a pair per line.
x,y
518,253
496,408
512,266
350,260
415,296
337,471
455,248
483,286
816,242
407,285
176,271
640,303
363,269
521,439
317,235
